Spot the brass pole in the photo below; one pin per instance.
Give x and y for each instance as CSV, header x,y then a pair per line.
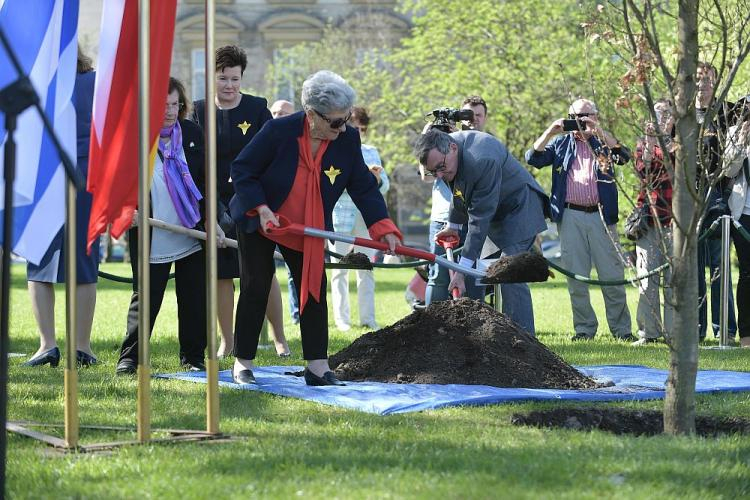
x,y
70,382
212,365
143,415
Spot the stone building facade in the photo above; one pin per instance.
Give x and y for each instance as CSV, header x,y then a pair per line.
x,y
261,27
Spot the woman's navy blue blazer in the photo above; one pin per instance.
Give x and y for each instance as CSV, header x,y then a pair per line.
x,y
264,171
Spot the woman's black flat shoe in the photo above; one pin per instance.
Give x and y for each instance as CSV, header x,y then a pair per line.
x,y
52,357
328,378
85,359
243,377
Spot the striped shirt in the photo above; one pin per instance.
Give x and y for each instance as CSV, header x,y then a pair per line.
x,y
582,189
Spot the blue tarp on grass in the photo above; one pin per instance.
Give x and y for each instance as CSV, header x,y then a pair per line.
x,y
631,383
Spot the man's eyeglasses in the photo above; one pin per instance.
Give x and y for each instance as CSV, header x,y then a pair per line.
x,y
573,116
336,123
439,168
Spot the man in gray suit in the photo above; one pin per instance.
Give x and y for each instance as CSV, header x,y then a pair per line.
x,y
501,202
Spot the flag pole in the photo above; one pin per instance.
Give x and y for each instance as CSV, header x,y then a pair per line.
x,y
212,366
71,285
144,245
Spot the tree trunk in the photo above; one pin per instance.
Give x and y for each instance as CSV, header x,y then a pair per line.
x,y
679,402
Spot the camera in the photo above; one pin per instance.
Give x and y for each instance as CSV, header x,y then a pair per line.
x,y
444,118
573,125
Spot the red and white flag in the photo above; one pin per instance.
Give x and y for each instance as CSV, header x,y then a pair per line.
x,y
113,154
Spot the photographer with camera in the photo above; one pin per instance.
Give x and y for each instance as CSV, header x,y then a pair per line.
x,y
495,196
438,277
584,206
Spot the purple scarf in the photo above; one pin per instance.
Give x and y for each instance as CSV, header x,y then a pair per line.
x,y
182,189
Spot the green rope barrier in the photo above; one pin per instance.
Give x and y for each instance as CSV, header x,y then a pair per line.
x,y
401,265
590,281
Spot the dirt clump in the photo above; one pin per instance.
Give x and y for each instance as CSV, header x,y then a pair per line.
x,y
357,260
622,421
527,267
456,342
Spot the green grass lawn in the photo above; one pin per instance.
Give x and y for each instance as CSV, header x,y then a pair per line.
x,y
291,448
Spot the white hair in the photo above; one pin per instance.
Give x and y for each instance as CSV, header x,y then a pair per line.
x,y
327,92
578,104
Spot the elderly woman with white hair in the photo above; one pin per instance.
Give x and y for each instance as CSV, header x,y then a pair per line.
x,y
298,166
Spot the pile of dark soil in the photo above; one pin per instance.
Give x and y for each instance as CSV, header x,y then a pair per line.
x,y
620,421
357,260
456,342
528,267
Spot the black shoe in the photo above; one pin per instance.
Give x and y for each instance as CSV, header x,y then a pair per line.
x,y
194,366
52,357
243,377
627,338
85,359
126,367
580,336
328,378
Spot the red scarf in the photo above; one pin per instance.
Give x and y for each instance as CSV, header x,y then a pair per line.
x,y
313,248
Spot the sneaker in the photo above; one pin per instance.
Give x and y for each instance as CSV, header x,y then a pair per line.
x,y
343,327
580,336
372,326
644,341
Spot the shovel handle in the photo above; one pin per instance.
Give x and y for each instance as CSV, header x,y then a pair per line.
x,y
286,226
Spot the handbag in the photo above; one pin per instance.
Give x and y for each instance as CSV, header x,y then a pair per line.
x,y
636,224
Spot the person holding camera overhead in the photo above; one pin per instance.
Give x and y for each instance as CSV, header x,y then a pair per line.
x,y
653,247
498,200
584,206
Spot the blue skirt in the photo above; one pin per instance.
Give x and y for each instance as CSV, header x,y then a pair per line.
x,y
51,269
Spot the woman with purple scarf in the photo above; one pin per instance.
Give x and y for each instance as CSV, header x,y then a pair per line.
x,y
175,198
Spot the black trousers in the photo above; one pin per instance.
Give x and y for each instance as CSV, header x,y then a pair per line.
x,y
256,271
742,246
190,288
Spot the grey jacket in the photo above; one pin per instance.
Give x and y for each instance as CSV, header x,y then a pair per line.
x,y
495,194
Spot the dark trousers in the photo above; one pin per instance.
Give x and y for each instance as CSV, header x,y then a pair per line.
x,y
190,288
256,270
742,246
709,255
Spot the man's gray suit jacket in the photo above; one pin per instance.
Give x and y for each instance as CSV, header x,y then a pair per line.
x,y
492,191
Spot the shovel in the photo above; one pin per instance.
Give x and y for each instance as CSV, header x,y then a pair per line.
x,y
449,243
286,227
510,269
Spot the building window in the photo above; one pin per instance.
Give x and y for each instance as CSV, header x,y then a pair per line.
x,y
199,74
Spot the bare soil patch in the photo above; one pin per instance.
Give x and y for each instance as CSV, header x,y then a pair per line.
x,y
622,421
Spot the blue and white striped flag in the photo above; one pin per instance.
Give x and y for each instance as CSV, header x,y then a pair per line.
x,y
43,34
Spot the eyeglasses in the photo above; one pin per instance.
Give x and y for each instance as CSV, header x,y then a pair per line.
x,y
336,123
573,116
439,168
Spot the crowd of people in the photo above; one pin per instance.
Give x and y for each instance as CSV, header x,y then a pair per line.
x,y
313,167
